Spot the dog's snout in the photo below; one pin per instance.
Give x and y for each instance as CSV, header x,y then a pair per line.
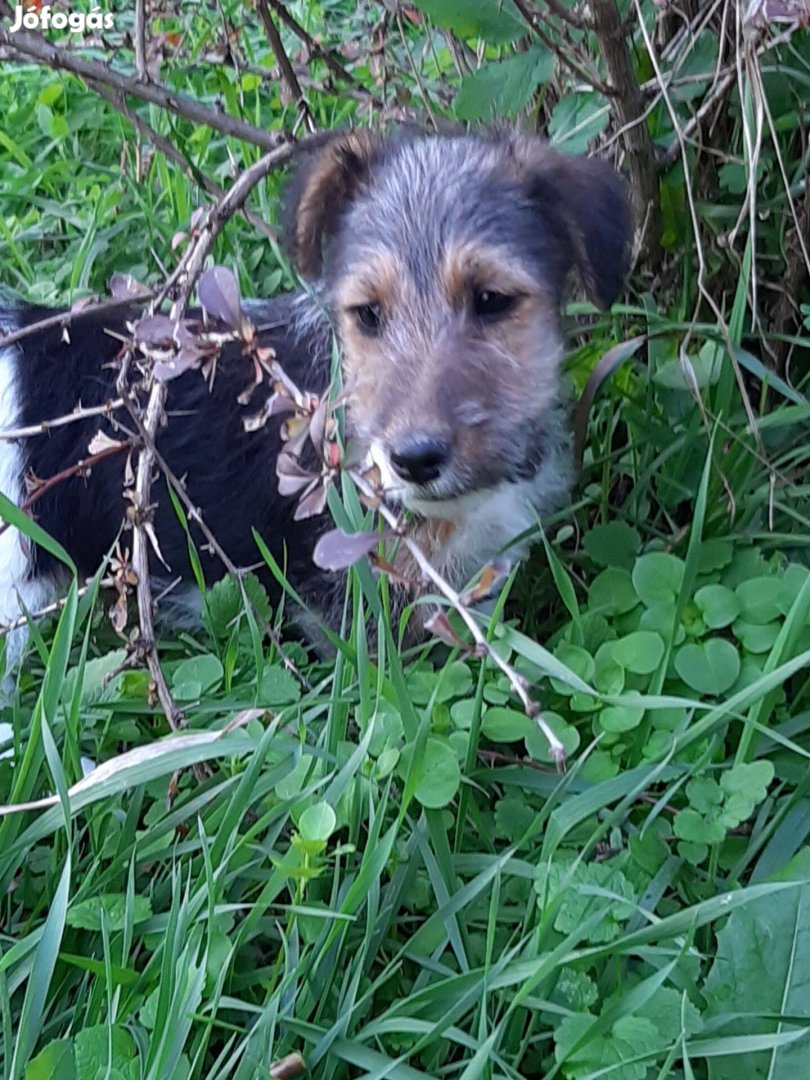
x,y
420,458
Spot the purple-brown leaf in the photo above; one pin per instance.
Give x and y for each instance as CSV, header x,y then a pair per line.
x,y
440,626
218,291
181,362
337,550
154,330
312,504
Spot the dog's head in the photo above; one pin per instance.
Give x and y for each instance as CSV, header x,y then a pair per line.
x,y
444,261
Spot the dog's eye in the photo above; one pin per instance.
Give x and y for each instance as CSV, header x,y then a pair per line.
x,y
369,317
489,304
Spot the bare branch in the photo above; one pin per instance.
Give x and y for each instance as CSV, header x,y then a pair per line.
x,y
628,102
31,46
109,407
284,65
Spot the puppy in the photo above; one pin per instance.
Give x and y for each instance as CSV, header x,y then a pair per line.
x,y
440,264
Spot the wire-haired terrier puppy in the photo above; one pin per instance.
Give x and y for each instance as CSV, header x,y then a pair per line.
x,y
440,264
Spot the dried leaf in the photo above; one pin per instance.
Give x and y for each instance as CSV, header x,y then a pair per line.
x,y
288,1067
218,292
337,550
311,505
292,477
317,426
101,442
181,362
440,626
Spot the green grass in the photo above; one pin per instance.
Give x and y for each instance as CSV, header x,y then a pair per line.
x,y
379,869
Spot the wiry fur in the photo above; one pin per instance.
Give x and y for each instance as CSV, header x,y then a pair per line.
x,y
419,228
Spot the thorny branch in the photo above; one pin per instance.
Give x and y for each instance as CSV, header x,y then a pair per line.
x,y
185,278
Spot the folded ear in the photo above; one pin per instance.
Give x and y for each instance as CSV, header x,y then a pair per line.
x,y
585,204
326,179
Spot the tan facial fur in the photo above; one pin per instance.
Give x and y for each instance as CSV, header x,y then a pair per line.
x,y
436,367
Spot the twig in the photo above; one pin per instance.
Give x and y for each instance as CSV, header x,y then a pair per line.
x,y
556,8
628,102
284,65
314,49
170,151
34,47
184,279
564,49
46,426
195,515
64,319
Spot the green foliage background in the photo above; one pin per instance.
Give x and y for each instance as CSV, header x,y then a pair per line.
x,y
380,870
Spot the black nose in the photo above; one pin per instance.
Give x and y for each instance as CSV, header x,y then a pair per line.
x,y
419,458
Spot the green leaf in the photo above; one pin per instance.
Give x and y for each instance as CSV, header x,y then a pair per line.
x,y
513,818
760,599
619,718
439,773
506,725
576,119
756,638
503,89
86,915
55,1062
612,592
718,605
573,886
760,968
279,687
197,675
706,367
710,668
317,822
106,1053
639,653
657,578
614,544
494,21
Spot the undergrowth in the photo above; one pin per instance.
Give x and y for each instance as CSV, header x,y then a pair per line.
x,y
376,867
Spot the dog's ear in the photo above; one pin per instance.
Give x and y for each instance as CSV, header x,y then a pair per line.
x,y
326,179
584,203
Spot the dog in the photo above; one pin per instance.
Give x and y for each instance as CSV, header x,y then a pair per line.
x,y
439,264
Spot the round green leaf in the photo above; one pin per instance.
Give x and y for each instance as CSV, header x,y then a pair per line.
x,y
612,592
618,718
317,822
441,775
710,668
506,725
657,578
639,653
760,599
614,544
756,638
718,605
